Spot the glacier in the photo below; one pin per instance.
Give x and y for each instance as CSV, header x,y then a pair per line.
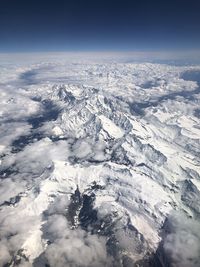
x,y
99,163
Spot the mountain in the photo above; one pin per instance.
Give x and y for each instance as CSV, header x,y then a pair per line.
x,y
99,164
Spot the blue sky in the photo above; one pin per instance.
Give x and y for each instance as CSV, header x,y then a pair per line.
x,y
66,25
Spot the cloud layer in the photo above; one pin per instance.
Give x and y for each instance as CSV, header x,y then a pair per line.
x,y
93,158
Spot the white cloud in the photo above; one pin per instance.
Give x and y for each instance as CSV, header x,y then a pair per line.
x,y
141,158
14,229
74,247
38,156
15,105
182,243
5,256
10,132
10,188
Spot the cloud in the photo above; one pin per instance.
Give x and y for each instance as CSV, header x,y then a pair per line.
x,y
13,231
74,247
139,173
11,131
38,156
89,149
16,105
182,242
5,256
10,188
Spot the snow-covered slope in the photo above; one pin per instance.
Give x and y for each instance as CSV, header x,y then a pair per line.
x,y
99,164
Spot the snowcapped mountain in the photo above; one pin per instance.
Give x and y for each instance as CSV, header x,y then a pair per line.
x,y
99,164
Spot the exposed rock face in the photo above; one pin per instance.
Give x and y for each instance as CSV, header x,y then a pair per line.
x,y
96,169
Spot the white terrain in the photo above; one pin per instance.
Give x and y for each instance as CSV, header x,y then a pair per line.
x,y
99,163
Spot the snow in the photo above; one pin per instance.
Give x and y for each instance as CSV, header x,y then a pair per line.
x,y
112,129
129,149
57,130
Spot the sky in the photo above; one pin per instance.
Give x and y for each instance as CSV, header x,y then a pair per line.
x,y
85,25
